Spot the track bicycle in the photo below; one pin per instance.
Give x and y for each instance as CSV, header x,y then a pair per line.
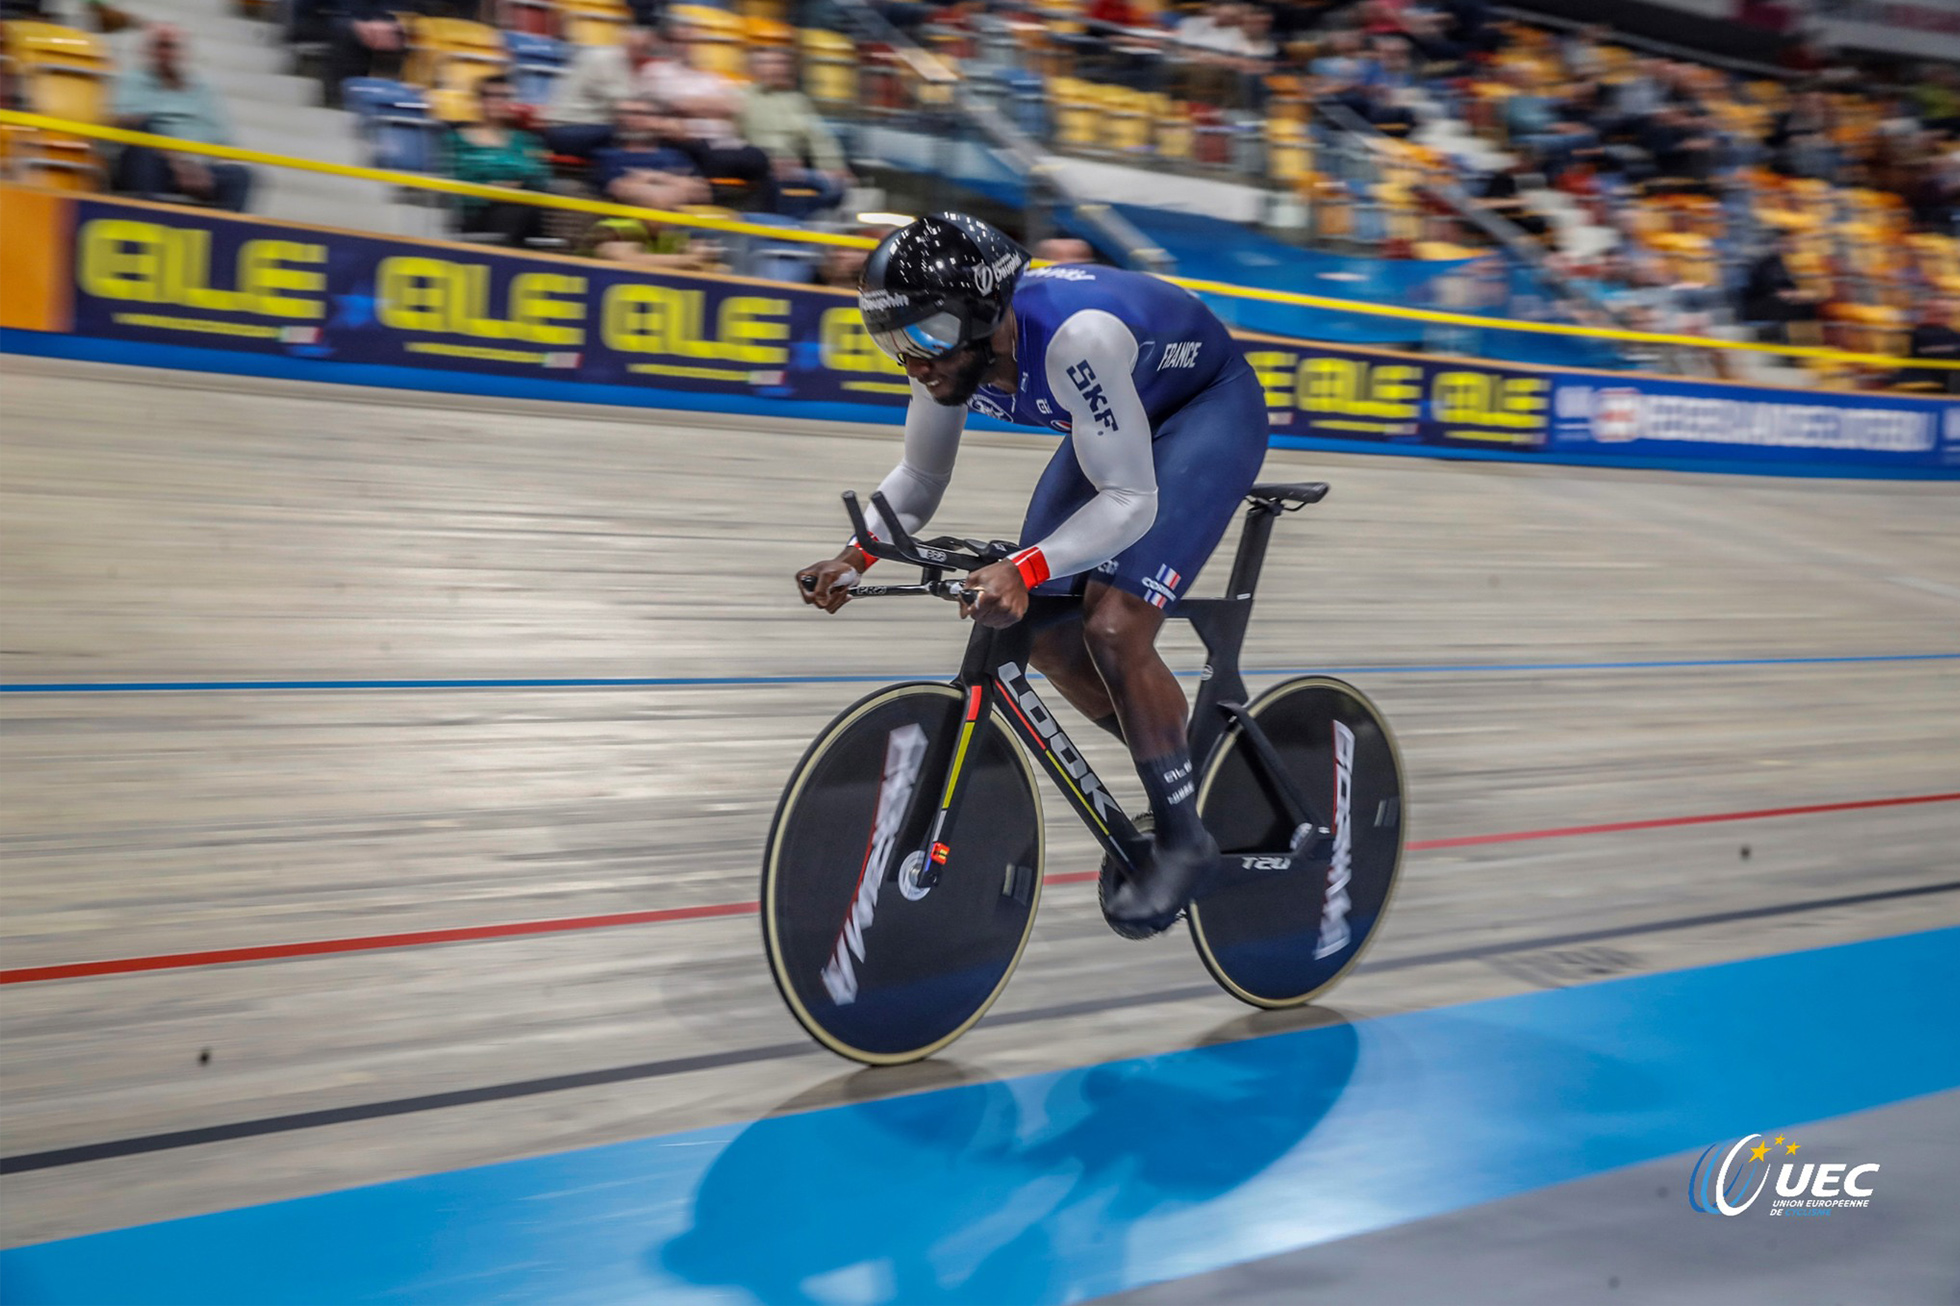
x,y
904,864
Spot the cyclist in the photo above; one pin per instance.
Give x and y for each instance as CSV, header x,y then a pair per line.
x,y
1165,429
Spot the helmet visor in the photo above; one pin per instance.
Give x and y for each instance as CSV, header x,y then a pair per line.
x,y
933,337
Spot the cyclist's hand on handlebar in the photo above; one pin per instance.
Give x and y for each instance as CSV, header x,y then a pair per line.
x,y
827,584
1000,597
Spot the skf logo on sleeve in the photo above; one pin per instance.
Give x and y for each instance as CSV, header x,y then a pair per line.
x,y
1091,390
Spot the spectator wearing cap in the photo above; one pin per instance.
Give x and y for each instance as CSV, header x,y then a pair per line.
x,y
165,98
494,151
803,153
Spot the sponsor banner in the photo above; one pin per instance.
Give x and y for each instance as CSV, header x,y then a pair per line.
x,y
1661,418
185,277
1350,394
150,274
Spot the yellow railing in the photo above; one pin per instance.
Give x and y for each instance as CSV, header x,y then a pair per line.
x,y
447,186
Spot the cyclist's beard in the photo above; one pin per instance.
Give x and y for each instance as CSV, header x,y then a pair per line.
x,y
974,362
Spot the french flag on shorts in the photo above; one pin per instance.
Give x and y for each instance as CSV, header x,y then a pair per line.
x,y
1164,588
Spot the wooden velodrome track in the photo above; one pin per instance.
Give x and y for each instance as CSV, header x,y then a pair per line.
x,y
167,527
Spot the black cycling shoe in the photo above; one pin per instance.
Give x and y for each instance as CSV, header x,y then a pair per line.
x,y
1151,901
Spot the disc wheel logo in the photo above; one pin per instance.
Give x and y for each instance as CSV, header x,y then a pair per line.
x,y
1728,1185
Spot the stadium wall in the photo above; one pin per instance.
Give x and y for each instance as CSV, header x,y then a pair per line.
x,y
122,281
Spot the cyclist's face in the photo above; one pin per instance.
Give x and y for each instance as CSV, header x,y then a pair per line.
x,y
951,378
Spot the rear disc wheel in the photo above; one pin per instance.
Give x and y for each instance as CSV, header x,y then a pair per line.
x,y
1281,940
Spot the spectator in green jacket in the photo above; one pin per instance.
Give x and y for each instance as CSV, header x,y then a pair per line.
x,y
780,120
165,98
494,151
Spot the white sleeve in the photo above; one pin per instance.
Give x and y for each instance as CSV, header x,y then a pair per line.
x,y
914,487
1089,364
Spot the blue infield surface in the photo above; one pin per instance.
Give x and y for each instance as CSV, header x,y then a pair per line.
x,y
1061,1186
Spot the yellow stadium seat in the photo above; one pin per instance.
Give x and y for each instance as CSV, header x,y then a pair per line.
x,y
1126,119
1171,128
774,11
452,53
1332,207
714,38
453,105
763,32
1289,152
1072,104
594,22
1937,260
62,73
829,66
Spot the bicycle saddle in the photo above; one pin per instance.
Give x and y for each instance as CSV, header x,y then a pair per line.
x,y
1294,495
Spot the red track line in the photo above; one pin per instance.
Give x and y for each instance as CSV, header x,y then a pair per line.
x,y
1659,823
513,929
369,943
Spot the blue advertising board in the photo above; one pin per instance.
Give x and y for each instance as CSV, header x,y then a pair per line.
x,y
186,284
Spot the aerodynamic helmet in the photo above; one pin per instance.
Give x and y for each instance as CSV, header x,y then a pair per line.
x,y
937,284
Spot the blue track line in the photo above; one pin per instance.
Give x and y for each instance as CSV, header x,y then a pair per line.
x,y
879,678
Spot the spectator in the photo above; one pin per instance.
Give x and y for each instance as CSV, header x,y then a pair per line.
x,y
803,153
494,151
1225,50
643,243
1499,194
841,267
1937,97
644,165
585,101
1115,13
1341,66
1772,297
366,38
1065,249
1936,337
1681,146
1801,141
704,105
162,97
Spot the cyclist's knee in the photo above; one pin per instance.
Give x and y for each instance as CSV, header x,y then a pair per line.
x,y
1117,631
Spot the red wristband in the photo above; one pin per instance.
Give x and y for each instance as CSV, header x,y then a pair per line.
x,y
866,558
1032,566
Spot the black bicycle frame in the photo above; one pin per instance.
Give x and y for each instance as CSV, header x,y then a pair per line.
x,y
995,670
